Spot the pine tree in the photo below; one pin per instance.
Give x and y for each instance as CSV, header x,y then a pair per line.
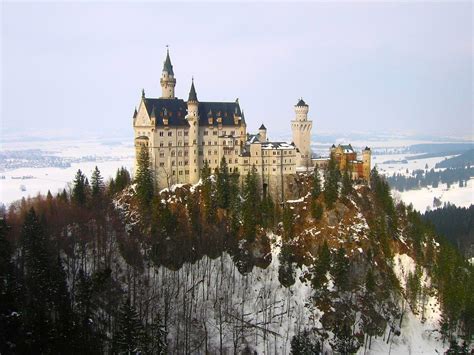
x,y
251,205
11,336
288,223
317,210
331,183
304,343
340,270
156,342
129,335
79,193
97,183
223,185
321,266
38,284
145,187
346,184
208,196
316,183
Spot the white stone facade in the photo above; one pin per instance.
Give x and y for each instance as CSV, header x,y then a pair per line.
x,y
182,135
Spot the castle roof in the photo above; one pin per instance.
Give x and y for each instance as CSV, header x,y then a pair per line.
x,y
347,148
192,93
263,127
301,103
176,111
167,66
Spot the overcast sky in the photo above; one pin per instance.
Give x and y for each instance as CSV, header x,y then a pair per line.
x,y
381,67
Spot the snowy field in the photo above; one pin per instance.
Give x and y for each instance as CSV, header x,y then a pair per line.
x,y
422,198
107,156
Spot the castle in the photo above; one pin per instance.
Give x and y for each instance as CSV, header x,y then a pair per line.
x,y
182,135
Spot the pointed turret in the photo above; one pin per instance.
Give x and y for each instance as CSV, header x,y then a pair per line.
x,y
135,113
192,92
167,66
167,81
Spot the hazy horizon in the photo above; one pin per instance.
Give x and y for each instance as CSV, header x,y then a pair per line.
x,y
362,67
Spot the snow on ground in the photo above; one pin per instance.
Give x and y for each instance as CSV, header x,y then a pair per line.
x,y
417,336
423,198
386,163
52,178
108,156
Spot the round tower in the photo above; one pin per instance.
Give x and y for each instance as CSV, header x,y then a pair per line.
x,y
301,129
193,135
366,160
167,81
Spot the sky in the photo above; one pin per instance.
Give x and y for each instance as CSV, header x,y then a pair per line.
x,y
78,68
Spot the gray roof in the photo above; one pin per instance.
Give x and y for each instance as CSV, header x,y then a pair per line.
x,y
301,103
192,93
176,111
167,66
263,127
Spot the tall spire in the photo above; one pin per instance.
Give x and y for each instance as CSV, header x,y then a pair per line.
x,y
168,67
192,92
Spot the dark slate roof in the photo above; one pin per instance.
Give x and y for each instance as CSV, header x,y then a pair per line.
x,y
176,111
225,110
192,93
263,127
168,67
135,113
366,148
301,103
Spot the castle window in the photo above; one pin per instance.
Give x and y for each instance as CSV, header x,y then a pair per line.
x,y
215,152
236,161
161,133
161,144
173,163
170,134
180,153
186,162
185,153
223,133
224,142
162,164
214,133
274,153
205,133
185,144
186,172
236,152
179,143
186,133
203,142
174,172
180,133
162,154
232,133
170,144
181,172
173,153
215,142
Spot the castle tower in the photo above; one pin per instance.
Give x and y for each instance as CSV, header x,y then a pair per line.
x,y
262,133
193,136
366,158
167,81
301,129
